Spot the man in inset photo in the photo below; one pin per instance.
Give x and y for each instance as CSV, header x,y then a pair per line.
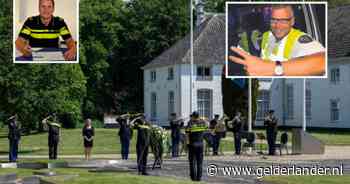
x,y
44,31
284,49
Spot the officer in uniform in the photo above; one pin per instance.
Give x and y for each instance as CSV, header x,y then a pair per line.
x,y
175,126
237,128
215,137
194,130
271,131
125,134
219,133
281,47
44,30
143,142
54,135
14,135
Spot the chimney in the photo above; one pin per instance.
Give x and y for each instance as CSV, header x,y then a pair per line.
x,y
199,12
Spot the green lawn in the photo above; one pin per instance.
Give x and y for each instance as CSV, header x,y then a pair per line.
x,y
107,142
307,179
85,177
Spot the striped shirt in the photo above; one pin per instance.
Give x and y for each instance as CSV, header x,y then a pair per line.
x,y
40,35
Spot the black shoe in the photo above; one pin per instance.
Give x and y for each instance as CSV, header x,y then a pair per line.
x,y
145,174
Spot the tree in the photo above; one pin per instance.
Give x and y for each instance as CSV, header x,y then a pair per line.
x,y
32,91
149,28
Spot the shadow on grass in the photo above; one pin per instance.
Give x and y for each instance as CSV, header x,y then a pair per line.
x,y
24,151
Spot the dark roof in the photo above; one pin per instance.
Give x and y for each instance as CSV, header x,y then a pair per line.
x,y
208,46
209,41
338,32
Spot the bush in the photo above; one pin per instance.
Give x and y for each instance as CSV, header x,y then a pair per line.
x,y
95,123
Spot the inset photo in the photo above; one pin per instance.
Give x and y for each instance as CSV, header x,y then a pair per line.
x,y
45,31
276,39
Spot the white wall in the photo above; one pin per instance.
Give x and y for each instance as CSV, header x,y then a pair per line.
x,y
215,86
322,91
67,9
161,87
181,87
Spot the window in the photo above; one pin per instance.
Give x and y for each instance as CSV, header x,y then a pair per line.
x,y
334,107
204,101
290,102
263,104
247,22
171,103
204,73
153,76
308,104
170,74
153,106
335,76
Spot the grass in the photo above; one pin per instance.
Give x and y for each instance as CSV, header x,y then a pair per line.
x,y
107,141
307,179
85,177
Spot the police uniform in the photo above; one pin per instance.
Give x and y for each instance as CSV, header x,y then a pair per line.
x,y
142,144
215,137
40,35
54,137
195,129
271,132
175,126
295,44
220,131
14,135
237,133
125,134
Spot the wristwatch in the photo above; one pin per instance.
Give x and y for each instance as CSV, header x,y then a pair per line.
x,y
278,68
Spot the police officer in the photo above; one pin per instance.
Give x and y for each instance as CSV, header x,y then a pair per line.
x,y
175,126
282,49
125,134
14,135
215,137
44,30
194,130
270,122
237,122
142,144
54,135
219,133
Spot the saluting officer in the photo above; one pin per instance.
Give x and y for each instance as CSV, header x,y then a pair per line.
x,y
14,135
194,130
237,131
54,135
142,144
271,131
175,126
125,134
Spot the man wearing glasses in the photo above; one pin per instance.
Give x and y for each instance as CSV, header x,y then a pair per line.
x,y
285,51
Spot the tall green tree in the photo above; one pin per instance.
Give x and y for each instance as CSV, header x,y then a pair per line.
x,y
149,28
32,90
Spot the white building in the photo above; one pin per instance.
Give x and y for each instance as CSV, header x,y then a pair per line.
x,y
327,101
167,79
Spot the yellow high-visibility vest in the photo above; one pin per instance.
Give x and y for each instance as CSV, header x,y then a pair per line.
x,y
287,47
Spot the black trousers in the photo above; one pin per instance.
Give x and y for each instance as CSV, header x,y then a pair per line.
x,y
237,137
53,150
271,141
195,157
13,149
142,153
